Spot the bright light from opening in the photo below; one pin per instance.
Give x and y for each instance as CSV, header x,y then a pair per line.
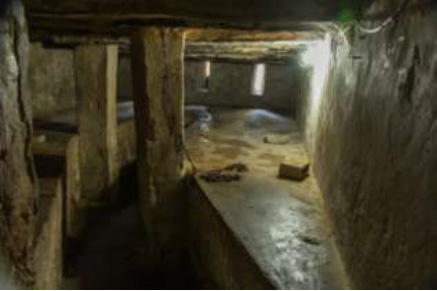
x,y
258,81
317,56
205,74
317,53
207,69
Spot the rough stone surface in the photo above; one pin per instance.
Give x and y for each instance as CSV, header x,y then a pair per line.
x,y
48,245
226,35
96,72
17,191
231,85
64,148
157,62
51,80
375,157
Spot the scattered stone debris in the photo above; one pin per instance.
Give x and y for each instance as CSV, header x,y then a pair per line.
x,y
294,169
218,176
278,139
228,174
239,167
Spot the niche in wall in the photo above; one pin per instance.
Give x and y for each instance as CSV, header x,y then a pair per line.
x,y
259,80
205,74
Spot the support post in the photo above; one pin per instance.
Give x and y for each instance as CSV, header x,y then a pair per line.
x,y
158,82
96,78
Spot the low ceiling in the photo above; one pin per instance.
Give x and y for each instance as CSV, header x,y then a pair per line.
x,y
119,17
218,45
218,30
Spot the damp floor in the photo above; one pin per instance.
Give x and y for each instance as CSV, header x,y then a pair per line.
x,y
281,223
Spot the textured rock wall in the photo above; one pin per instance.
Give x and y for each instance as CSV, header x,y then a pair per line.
x,y
231,85
51,80
375,152
17,193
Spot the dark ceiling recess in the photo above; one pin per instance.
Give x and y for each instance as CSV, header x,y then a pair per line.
x,y
119,16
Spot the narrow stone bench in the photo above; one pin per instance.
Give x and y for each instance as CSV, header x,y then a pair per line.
x,y
64,124
57,154
48,239
261,233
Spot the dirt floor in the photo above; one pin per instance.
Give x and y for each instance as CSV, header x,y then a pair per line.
x,y
280,222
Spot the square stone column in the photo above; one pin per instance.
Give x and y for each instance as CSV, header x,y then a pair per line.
x,y
96,78
158,82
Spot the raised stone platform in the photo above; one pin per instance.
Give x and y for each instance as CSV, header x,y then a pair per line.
x,y
259,231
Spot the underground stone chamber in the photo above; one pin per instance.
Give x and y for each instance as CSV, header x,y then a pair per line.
x,y
213,145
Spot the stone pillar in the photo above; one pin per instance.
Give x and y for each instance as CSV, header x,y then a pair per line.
x,y
18,199
157,68
96,77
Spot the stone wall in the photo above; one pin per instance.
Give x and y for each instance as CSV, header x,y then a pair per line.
x,y
231,85
18,202
374,156
51,80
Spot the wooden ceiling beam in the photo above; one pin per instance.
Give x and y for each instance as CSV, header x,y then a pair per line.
x,y
246,52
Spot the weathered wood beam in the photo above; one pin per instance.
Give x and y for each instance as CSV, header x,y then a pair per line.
x,y
157,64
241,52
96,77
62,40
239,35
42,28
191,35
238,60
